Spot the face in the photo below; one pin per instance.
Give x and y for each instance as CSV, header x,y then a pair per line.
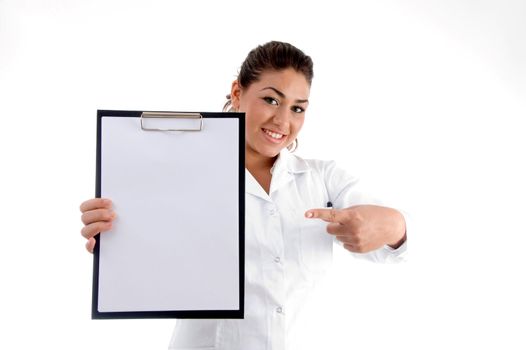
x,y
274,109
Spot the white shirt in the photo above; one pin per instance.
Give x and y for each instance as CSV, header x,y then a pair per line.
x,y
285,255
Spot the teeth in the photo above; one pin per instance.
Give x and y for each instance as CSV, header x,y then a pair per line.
x,y
273,134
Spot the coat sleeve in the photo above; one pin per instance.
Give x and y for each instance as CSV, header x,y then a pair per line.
x,y
345,191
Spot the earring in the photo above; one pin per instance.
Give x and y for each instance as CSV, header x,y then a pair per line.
x,y
293,146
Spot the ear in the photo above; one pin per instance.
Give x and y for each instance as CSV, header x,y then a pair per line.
x,y
235,94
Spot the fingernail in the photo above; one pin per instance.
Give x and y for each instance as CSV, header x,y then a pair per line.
x,y
309,214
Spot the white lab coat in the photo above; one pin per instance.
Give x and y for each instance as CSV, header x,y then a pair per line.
x,y
286,254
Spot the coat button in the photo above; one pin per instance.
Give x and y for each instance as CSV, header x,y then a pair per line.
x,y
277,259
279,310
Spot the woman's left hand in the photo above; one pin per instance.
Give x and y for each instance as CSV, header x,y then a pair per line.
x,y
363,228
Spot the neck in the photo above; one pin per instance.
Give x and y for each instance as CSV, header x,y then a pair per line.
x,y
256,162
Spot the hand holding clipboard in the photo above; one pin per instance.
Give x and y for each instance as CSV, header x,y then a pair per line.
x,y
177,181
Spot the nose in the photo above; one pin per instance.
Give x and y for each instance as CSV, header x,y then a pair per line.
x,y
281,117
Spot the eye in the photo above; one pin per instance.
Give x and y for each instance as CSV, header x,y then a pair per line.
x,y
298,109
270,101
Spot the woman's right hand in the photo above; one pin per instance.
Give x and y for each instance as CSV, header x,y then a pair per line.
x,y
97,216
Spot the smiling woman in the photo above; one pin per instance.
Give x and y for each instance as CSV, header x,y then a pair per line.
x,y
275,106
289,231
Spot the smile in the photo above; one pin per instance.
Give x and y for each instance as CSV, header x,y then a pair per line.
x,y
274,135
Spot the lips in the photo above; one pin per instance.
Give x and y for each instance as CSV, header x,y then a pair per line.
x,y
273,133
273,136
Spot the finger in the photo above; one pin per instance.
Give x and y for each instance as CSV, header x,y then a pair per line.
x,y
90,245
329,215
357,248
346,239
97,215
352,237
95,203
91,230
351,248
335,228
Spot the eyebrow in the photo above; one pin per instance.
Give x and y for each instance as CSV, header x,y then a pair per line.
x,y
281,94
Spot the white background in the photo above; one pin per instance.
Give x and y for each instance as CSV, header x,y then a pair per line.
x,y
421,99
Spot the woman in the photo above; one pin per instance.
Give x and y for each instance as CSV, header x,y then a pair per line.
x,y
289,235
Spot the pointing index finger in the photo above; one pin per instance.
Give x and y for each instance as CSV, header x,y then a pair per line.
x,y
329,215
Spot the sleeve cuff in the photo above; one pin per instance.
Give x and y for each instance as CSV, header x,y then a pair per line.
x,y
391,255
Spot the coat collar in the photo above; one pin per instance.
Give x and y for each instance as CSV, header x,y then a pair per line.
x,y
288,162
285,167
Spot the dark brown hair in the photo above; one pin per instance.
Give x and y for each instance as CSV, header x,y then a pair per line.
x,y
274,55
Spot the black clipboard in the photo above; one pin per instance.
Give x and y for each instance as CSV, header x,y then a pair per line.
x,y
161,124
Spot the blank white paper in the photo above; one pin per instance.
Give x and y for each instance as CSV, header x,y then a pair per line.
x,y
174,244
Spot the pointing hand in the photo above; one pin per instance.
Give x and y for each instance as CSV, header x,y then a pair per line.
x,y
363,228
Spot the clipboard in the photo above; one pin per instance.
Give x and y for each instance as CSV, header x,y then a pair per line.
x,y
176,247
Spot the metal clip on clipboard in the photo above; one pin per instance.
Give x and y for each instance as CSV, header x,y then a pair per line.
x,y
173,115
